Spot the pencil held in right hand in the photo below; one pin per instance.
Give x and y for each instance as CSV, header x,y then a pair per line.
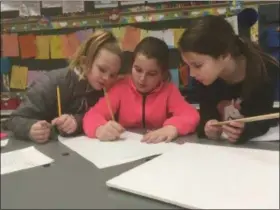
x,y
40,131
212,131
110,131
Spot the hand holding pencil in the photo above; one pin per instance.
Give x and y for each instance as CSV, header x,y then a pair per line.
x,y
112,130
233,128
65,123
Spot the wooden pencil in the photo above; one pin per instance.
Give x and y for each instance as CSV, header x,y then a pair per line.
x,y
108,103
251,119
58,101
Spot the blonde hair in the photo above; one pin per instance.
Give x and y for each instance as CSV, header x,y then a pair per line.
x,y
86,53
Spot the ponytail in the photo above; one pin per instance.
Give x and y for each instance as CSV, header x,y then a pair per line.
x,y
256,70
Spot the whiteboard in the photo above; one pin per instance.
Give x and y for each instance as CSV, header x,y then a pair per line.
x,y
207,177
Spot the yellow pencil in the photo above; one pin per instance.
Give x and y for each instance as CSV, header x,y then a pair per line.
x,y
251,119
58,101
108,104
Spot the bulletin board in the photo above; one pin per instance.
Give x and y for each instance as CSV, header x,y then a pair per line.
x,y
53,29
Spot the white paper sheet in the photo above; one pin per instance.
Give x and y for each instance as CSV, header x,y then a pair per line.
x,y
271,135
72,6
22,159
234,23
4,142
51,4
30,8
168,37
106,154
131,2
207,177
10,5
105,4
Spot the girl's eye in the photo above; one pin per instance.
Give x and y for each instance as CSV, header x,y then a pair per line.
x,y
138,70
152,74
197,66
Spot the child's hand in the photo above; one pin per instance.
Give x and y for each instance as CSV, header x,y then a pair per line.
x,y
109,132
40,131
233,130
212,131
65,123
167,134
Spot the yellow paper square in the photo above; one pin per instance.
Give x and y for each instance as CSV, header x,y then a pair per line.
x,y
43,47
177,35
118,33
144,34
19,77
56,47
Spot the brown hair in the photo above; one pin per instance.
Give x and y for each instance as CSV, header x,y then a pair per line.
x,y
214,36
86,53
154,48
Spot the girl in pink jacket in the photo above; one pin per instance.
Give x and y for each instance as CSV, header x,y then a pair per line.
x,y
145,99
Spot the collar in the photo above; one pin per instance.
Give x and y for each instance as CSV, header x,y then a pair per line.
x,y
82,85
133,87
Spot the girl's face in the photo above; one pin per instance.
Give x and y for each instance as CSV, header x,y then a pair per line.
x,y
146,73
204,68
104,70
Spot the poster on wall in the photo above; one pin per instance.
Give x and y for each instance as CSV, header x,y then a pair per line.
x,y
10,6
105,4
51,4
132,2
157,1
30,8
73,6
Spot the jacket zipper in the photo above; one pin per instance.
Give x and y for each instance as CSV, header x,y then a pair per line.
x,y
143,111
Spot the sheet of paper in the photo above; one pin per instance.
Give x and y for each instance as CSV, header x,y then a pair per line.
x,y
22,159
19,77
51,4
105,4
157,34
131,2
177,33
168,37
144,34
207,177
43,47
119,33
73,41
10,46
271,135
8,5
106,154
56,48
4,142
27,45
131,38
233,20
30,8
72,6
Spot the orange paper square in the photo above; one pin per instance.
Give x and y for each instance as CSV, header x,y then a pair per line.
x,y
66,49
27,45
74,42
10,46
131,38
